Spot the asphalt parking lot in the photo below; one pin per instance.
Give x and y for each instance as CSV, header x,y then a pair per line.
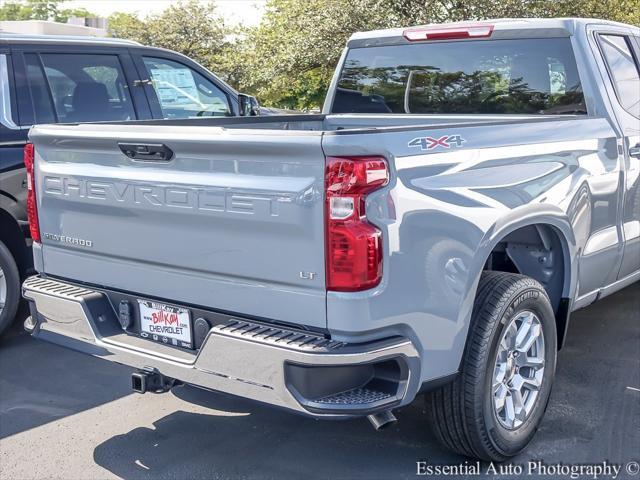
x,y
66,415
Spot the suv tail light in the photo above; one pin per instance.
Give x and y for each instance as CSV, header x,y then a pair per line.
x,y
353,245
32,207
448,32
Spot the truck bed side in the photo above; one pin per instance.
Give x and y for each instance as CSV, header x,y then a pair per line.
x,y
235,221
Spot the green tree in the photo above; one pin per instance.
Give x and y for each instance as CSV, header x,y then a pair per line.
x,y
40,10
66,13
14,11
44,9
192,28
428,11
288,60
126,25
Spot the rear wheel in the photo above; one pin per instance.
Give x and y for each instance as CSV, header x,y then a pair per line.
x,y
9,288
493,408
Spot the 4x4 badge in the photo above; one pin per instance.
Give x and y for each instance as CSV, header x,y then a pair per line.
x,y
429,143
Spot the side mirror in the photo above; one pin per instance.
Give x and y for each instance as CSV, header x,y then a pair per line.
x,y
249,106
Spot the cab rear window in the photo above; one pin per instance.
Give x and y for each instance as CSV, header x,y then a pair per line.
x,y
515,76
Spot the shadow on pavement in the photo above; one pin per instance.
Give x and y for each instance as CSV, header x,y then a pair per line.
x,y
592,414
40,382
592,417
246,440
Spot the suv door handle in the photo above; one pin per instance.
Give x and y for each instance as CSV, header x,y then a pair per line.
x,y
635,151
147,152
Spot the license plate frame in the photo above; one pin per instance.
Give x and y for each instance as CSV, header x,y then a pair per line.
x,y
165,323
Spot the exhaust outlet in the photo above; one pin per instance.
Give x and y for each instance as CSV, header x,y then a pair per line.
x,y
30,324
382,420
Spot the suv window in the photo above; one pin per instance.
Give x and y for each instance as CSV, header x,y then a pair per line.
x,y
83,88
7,98
41,100
623,71
183,92
518,76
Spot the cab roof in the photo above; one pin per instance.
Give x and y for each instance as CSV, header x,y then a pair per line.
x,y
502,28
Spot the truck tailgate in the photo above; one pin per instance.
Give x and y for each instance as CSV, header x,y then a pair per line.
x,y
229,223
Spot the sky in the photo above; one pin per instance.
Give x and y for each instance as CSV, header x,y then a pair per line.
x,y
247,12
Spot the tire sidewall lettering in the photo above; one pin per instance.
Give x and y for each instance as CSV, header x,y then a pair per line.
x,y
503,439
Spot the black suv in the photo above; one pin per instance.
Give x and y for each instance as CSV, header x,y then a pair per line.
x,y
55,79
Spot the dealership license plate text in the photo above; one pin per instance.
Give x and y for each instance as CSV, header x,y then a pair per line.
x,y
165,323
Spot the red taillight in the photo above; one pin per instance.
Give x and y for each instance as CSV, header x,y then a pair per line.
x,y
32,207
354,246
448,32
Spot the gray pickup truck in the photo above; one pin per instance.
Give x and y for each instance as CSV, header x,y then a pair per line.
x,y
466,188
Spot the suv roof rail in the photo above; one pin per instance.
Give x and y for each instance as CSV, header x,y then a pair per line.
x,y
19,37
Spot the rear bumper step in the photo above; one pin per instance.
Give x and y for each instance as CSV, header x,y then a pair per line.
x,y
297,370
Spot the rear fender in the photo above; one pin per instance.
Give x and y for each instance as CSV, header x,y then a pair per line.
x,y
528,215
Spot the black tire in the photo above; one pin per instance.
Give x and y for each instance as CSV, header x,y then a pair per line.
x,y
461,413
12,278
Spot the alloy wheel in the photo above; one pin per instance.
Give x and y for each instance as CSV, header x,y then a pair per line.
x,y
3,290
519,370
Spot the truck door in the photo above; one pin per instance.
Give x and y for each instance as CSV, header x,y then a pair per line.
x,y
620,54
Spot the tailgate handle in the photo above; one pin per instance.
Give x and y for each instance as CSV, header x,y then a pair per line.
x,y
147,152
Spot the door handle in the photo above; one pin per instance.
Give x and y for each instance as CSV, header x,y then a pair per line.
x,y
635,151
147,152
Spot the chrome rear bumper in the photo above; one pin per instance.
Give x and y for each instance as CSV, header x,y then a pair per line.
x,y
296,370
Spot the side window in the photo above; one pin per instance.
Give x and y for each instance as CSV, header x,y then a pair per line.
x,y
623,71
7,97
42,106
183,92
87,88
